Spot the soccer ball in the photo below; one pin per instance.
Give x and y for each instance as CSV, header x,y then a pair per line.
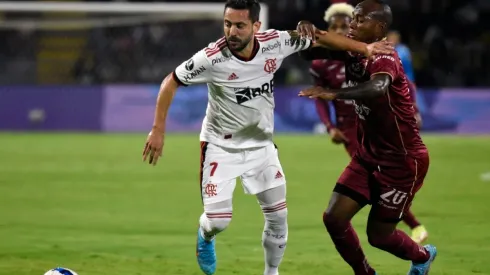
x,y
60,271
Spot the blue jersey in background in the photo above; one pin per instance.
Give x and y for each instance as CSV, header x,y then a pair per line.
x,y
406,57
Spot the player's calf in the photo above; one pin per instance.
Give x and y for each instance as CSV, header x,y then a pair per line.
x,y
275,235
384,235
337,222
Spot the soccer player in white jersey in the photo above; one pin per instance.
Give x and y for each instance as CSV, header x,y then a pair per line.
x,y
236,135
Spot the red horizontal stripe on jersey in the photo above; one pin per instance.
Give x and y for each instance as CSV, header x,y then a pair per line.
x,y
216,46
265,34
267,38
212,52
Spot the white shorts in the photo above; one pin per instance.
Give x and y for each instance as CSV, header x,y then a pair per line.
x,y
258,168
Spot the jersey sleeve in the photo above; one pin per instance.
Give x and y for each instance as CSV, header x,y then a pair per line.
x,y
196,70
291,44
385,64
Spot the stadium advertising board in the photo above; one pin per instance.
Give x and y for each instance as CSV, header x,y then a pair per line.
x,y
130,108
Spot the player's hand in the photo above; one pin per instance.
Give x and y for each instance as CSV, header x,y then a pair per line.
x,y
154,146
317,92
307,30
337,136
381,47
418,119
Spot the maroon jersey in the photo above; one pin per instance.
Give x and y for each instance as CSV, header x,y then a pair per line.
x,y
386,124
331,74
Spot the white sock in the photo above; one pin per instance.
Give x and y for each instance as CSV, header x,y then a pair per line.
x,y
274,237
213,223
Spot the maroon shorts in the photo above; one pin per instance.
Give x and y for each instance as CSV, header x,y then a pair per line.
x,y
390,189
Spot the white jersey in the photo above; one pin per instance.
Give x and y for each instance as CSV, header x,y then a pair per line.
x,y
240,111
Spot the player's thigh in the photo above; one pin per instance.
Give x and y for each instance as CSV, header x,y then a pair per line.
x,y
396,187
354,182
264,170
219,170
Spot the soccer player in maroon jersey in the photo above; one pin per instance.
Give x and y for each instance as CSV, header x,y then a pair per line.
x,y
391,162
330,73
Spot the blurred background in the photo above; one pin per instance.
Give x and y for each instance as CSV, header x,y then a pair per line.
x,y
65,48
78,84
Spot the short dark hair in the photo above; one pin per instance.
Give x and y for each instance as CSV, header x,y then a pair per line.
x,y
253,7
384,13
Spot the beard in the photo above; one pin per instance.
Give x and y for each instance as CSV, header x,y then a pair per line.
x,y
236,44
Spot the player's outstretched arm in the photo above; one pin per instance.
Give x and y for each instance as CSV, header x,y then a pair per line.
x,y
154,143
377,86
196,70
164,100
342,43
336,42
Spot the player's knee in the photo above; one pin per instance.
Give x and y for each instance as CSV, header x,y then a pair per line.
x,y
333,218
217,222
378,233
376,240
275,216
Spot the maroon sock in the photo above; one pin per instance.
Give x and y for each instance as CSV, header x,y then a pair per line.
x,y
410,220
347,243
400,245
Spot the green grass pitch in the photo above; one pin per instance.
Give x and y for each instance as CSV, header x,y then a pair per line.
x,y
87,202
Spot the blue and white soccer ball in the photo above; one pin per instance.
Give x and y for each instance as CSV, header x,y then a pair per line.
x,y
60,271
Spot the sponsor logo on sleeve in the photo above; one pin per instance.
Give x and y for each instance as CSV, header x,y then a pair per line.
x,y
188,77
189,65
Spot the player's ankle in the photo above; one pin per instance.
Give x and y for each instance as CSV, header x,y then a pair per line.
x,y
270,270
206,236
427,253
365,271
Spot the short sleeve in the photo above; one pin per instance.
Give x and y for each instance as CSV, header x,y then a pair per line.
x,y
385,64
291,44
196,70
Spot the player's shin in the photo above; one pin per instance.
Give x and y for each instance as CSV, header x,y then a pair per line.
x,y
275,235
337,221
347,244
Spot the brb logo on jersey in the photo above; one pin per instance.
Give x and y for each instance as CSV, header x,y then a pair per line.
x,y
244,95
270,65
